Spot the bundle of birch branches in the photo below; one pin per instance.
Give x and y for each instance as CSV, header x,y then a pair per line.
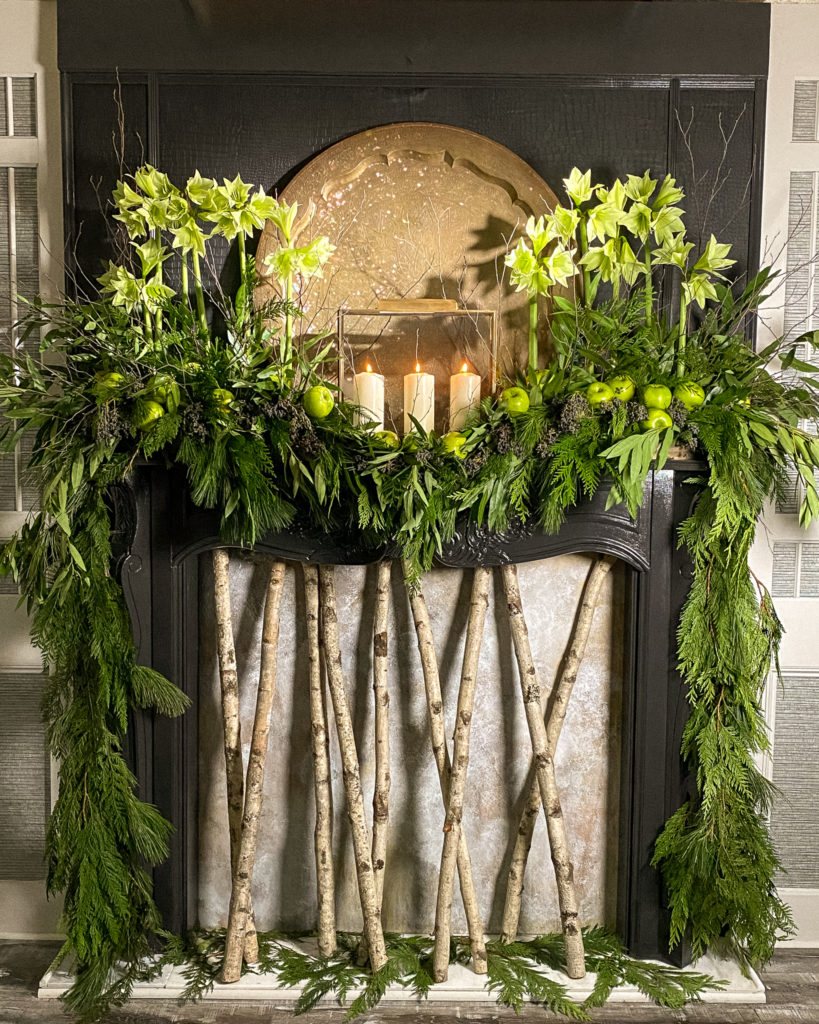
x,y
545,715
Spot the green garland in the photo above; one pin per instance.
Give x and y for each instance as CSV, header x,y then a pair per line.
x,y
516,971
140,373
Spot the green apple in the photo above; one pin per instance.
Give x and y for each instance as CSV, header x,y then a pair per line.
x,y
106,382
222,397
516,401
453,443
690,394
318,401
598,393
389,438
158,386
657,396
149,413
657,419
622,386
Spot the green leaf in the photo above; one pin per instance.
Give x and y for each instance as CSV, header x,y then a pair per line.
x,y
76,556
77,470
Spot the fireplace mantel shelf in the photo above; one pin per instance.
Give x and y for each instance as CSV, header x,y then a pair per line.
x,y
589,526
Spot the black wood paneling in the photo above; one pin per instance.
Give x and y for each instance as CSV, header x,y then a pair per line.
x,y
107,130
267,127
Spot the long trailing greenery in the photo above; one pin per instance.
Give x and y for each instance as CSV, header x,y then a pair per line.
x,y
517,972
143,373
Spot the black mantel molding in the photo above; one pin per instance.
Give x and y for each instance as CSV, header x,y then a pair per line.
x,y
159,535
499,37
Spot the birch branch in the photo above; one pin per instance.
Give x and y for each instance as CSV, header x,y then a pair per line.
x,y
352,774
229,684
381,791
561,693
240,911
381,794
435,709
320,741
460,761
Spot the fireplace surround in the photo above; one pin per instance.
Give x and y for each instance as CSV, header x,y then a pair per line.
x,y
160,535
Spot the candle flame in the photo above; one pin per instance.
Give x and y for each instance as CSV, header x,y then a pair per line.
x,y
417,367
464,368
369,368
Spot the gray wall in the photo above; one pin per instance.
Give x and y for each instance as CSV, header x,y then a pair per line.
x,y
587,762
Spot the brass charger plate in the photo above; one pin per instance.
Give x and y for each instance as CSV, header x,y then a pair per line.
x,y
415,211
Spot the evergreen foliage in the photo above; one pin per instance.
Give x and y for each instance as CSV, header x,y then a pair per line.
x,y
141,373
517,972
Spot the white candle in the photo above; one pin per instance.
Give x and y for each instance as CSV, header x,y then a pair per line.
x,y
419,400
464,396
369,395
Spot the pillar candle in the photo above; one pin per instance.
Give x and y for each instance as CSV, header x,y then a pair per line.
x,y
419,400
464,396
369,395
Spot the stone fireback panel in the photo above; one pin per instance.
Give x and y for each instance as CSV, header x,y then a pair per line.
x,y
587,763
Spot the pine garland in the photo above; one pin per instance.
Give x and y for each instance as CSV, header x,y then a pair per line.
x,y
141,373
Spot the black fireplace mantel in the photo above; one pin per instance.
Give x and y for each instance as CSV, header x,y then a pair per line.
x,y
159,535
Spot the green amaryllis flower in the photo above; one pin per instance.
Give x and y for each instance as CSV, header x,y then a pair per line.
x,y
669,193
638,220
604,220
284,217
121,285
537,276
306,261
713,258
673,252
579,187
630,267
640,189
129,292
667,223
616,195
603,259
699,288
